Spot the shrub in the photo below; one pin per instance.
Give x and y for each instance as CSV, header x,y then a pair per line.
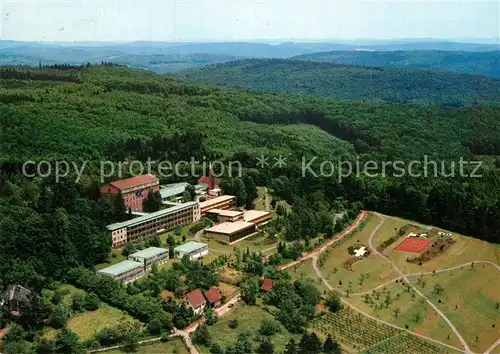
x,y
215,348
268,327
59,317
92,302
233,324
210,317
78,303
56,298
201,336
333,302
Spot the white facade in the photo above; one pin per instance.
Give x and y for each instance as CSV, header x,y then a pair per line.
x,y
196,212
195,254
119,237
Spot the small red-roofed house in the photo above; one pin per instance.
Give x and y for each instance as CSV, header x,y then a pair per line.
x,y
196,301
267,285
213,297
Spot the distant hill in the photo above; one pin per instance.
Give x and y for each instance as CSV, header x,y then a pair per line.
x,y
157,60
402,85
169,57
162,63
484,63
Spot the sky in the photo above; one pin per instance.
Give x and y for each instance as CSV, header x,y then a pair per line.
x,y
231,20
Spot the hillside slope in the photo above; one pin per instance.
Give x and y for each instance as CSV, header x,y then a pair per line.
x,y
352,82
120,114
483,63
78,111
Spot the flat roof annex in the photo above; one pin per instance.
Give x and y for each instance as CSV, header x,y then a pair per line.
x,y
142,219
222,212
119,268
189,247
230,227
255,214
213,201
149,252
173,189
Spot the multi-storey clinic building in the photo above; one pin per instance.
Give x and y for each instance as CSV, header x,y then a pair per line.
x,y
137,229
149,256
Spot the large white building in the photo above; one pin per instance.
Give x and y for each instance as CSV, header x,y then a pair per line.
x,y
124,272
148,225
150,256
194,250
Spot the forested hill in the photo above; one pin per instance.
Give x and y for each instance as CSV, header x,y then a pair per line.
x,y
401,85
50,113
116,113
484,63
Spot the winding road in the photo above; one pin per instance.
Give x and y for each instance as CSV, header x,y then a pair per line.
x,y
405,276
407,280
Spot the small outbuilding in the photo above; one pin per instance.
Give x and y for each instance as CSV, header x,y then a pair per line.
x,y
15,298
213,297
267,285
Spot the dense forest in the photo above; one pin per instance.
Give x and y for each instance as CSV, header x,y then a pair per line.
x,y
116,113
339,81
484,63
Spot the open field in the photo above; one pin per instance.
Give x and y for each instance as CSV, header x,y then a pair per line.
x,y
466,249
173,346
394,304
469,299
249,319
87,324
256,243
305,270
366,274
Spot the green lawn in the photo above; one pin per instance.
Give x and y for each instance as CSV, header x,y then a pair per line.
x,y
173,346
249,319
466,249
256,243
366,275
373,269
413,312
305,270
469,300
114,257
87,324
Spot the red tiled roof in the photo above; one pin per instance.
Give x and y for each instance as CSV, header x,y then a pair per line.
x,y
195,298
134,181
267,285
213,296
